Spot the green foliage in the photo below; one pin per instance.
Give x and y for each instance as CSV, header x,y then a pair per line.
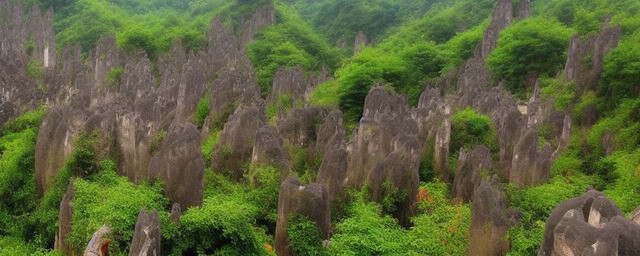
x,y
35,69
156,142
440,228
30,46
624,127
621,75
207,147
526,238
114,201
26,121
289,43
218,121
392,197
469,128
114,75
202,110
305,166
304,236
222,226
555,89
532,47
10,246
17,174
283,103
82,162
625,190
366,232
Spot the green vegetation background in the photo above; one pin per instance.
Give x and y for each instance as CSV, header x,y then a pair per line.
x,y
412,43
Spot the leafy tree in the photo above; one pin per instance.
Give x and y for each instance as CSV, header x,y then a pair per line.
x,y
530,48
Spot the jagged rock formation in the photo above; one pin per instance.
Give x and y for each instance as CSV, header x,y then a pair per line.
x,y
93,247
489,224
146,237
590,225
360,42
585,59
470,168
179,164
64,218
299,128
385,151
311,200
268,149
236,141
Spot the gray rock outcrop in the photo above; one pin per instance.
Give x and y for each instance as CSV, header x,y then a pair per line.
x,y
489,224
179,164
470,168
236,141
146,237
311,200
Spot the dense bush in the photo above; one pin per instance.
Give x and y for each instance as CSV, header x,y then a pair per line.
x,y
304,236
288,43
530,48
17,173
222,226
469,128
202,110
621,76
113,201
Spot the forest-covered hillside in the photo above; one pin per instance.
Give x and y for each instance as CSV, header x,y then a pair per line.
x,y
325,127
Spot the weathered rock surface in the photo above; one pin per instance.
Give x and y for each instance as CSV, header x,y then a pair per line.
x,y
179,164
236,141
299,128
470,168
146,237
489,225
530,165
585,59
94,245
311,201
398,171
268,149
501,18
591,224
64,218
360,42
385,116
55,143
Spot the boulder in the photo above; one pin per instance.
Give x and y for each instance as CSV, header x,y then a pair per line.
x,y
581,204
489,225
311,200
179,164
146,237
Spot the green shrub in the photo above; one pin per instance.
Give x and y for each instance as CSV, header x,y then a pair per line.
x,y
555,89
282,103
207,147
222,226
35,69
532,47
469,128
202,110
366,232
621,74
156,142
26,121
10,246
114,75
625,190
304,236
114,201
